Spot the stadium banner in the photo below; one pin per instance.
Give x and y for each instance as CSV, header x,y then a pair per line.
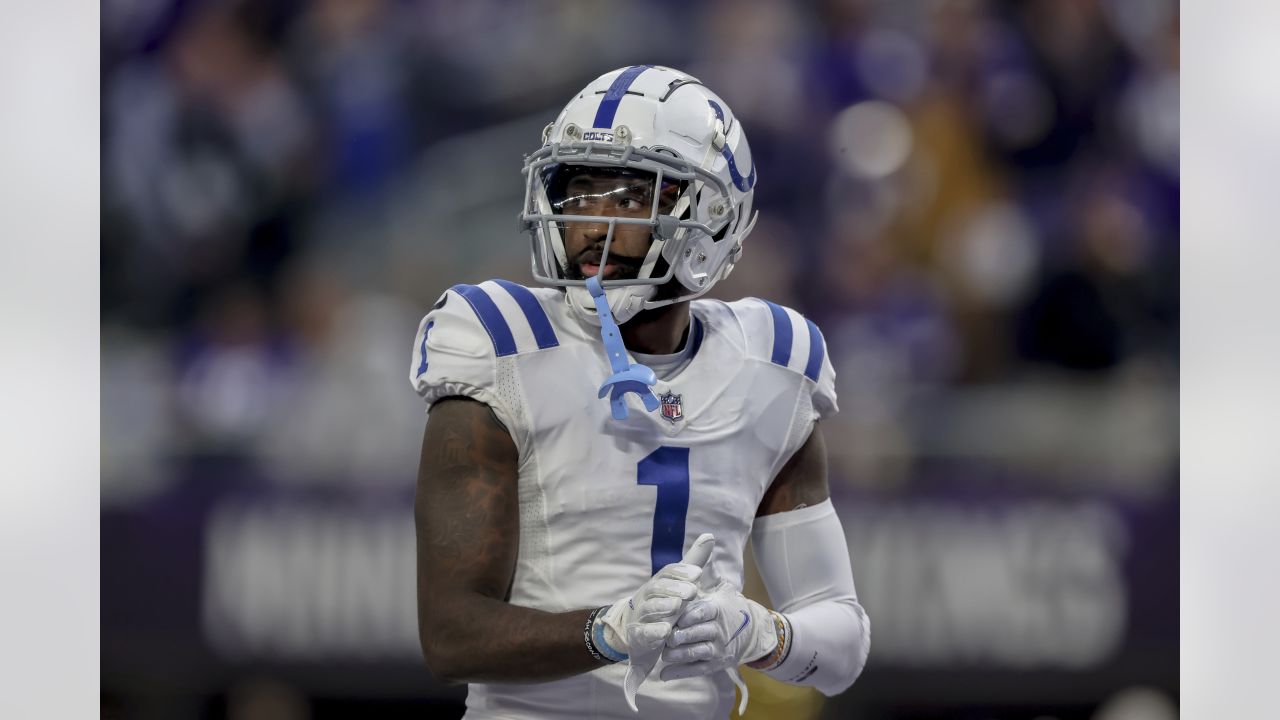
x,y
977,597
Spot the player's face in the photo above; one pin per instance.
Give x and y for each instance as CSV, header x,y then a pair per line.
x,y
610,194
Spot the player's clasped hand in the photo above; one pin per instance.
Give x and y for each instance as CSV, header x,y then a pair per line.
x,y
717,632
720,630
647,618
641,625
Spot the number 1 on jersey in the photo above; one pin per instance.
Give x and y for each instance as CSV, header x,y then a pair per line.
x,y
667,468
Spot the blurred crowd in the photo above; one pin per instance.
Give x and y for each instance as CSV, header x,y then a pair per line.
x,y
976,201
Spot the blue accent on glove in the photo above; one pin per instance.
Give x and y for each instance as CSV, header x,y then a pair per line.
x,y
633,378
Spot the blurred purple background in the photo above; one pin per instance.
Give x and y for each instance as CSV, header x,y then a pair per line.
x,y
977,201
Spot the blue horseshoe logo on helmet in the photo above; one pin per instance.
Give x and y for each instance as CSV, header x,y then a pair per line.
x,y
743,184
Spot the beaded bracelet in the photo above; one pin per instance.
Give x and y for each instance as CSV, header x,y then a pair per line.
x,y
785,644
779,654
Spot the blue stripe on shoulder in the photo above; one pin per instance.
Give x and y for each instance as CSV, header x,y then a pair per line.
x,y
491,317
781,334
816,351
543,333
609,103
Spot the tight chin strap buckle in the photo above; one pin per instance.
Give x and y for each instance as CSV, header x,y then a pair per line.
x,y
633,378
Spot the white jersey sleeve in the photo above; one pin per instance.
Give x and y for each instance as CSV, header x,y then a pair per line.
x,y
464,347
824,390
786,339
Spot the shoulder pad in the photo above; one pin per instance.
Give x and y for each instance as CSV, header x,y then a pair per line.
x,y
471,327
784,337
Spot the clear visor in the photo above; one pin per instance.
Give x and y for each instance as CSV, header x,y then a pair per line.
x,y
620,192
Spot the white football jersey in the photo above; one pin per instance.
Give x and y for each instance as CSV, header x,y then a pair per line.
x,y
605,503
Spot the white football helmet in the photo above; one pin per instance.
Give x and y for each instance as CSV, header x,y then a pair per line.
x,y
663,123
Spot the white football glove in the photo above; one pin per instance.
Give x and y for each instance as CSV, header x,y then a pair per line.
x,y
640,625
720,630
717,631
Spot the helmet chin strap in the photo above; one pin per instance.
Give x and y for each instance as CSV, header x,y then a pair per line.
x,y
633,378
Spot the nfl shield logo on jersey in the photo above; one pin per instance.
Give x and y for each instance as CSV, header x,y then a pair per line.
x,y
671,407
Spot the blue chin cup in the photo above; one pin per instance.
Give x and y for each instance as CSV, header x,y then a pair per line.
x,y
633,378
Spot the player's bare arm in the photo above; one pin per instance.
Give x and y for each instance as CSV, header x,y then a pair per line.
x,y
802,482
467,516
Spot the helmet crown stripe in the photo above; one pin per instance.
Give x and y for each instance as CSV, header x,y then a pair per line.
x,y
609,103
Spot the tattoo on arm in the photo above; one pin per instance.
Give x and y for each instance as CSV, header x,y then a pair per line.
x,y
467,515
802,481
453,450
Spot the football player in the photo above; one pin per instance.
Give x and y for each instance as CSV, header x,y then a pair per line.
x,y
599,450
